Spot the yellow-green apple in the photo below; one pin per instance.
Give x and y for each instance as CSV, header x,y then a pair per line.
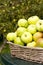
x,y
20,31
18,41
22,23
37,35
39,25
33,19
11,36
26,37
31,28
32,44
40,42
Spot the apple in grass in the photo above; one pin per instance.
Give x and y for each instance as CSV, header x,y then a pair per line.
x,y
20,31
33,19
22,23
32,44
11,36
31,28
37,35
18,41
40,42
26,37
39,25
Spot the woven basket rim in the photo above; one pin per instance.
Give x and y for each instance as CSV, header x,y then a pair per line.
x,y
36,48
34,54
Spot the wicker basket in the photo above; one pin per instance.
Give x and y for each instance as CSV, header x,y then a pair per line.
x,y
29,54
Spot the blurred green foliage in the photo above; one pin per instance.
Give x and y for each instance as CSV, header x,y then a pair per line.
x,y
12,10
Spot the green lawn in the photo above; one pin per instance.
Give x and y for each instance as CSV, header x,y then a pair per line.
x,y
6,49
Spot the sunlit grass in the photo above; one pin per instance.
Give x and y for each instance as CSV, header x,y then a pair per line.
x,y
6,49
0,64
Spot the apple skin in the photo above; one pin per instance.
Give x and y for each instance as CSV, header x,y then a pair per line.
x,y
40,42
37,35
20,31
18,41
32,29
39,25
26,37
11,36
22,23
31,44
33,19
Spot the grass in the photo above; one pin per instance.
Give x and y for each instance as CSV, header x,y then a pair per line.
x,y
0,64
6,49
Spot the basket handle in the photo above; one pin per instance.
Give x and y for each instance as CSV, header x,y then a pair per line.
x,y
9,42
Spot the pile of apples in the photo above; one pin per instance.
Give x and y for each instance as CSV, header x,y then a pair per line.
x,y
29,32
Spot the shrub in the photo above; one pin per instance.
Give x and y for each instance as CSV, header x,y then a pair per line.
x,y
12,10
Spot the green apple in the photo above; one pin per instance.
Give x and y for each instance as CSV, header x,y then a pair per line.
x,y
33,19
31,28
20,31
22,23
39,25
26,37
40,42
37,35
32,44
11,36
18,41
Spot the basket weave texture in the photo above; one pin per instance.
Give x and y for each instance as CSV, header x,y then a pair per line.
x,y
25,53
